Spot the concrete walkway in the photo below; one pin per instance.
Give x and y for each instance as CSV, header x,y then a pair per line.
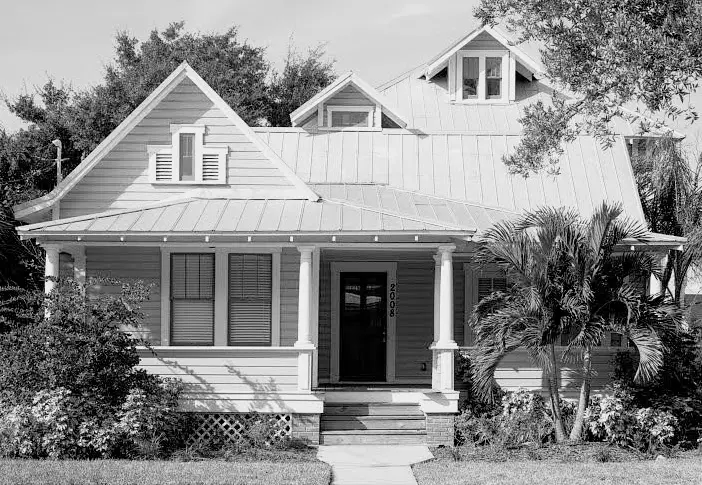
x,y
373,464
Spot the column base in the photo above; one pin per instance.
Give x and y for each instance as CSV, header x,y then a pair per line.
x,y
305,427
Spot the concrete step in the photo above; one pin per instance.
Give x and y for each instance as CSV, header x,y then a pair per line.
x,y
372,409
340,423
373,437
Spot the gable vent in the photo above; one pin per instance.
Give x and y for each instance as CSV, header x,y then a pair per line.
x,y
210,167
164,166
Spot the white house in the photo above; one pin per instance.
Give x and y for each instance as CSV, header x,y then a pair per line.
x,y
322,274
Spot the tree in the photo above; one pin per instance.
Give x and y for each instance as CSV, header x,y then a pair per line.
x,y
608,53
81,119
670,188
567,280
302,78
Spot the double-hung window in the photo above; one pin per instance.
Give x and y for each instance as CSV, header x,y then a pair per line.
x,y
250,299
480,283
192,298
481,76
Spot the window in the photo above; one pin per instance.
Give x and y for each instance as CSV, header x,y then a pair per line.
x,y
482,76
250,299
187,155
479,284
350,116
188,159
471,73
192,298
493,74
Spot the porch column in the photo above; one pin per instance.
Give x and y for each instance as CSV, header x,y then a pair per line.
x,y
51,267
655,286
304,340
79,264
445,345
435,375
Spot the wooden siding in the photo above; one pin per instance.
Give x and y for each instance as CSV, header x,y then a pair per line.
x,y
289,282
120,180
517,370
484,41
130,264
231,379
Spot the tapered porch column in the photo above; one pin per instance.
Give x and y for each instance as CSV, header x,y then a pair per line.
x,y
304,334
435,375
79,263
445,345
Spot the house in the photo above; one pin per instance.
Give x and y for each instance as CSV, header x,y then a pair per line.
x,y
321,275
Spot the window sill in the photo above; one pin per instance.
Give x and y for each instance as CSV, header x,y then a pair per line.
x,y
186,182
353,128
481,101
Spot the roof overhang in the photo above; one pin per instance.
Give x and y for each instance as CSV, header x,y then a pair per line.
x,y
350,78
441,61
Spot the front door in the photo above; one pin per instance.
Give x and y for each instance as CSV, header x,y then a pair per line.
x,y
363,325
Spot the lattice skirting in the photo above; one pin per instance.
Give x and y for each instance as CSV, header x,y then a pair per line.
x,y
236,426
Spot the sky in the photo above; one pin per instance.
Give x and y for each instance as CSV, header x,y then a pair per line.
x,y
72,40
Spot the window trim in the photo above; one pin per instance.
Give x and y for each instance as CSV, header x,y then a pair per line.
x,y
170,298
229,298
370,109
221,293
199,151
482,76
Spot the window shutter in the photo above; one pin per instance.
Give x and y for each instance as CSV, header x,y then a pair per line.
x,y
250,299
214,164
192,299
486,285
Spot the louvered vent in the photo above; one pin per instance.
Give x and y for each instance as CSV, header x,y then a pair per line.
x,y
210,167
164,166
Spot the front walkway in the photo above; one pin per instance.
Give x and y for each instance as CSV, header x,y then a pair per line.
x,y
374,464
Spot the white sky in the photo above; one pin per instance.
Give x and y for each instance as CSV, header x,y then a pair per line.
x,y
72,40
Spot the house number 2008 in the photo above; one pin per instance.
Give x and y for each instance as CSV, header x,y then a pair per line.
x,y
393,293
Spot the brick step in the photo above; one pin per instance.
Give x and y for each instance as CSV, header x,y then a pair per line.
x,y
373,423
373,437
372,409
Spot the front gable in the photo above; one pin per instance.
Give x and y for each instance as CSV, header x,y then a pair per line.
x,y
144,160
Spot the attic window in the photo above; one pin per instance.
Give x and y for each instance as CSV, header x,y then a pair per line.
x,y
482,76
188,160
350,116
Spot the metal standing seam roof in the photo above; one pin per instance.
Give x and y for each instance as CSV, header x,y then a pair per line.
x,y
232,216
461,167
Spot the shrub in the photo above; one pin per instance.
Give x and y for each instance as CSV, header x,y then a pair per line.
x,y
69,383
614,419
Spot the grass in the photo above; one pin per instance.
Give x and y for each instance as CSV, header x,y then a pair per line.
x,y
684,470
124,472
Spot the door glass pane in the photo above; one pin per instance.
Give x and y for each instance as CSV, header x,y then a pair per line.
x,y
187,140
493,72
471,72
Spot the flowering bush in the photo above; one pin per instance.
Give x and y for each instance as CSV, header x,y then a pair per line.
x,y
70,386
613,419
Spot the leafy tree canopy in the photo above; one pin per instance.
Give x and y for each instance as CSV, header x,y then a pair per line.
x,y
81,119
608,53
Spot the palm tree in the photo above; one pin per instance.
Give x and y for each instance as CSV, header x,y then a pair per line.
x,y
568,278
670,188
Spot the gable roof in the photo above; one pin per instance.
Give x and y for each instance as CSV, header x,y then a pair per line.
x,y
441,61
169,84
350,78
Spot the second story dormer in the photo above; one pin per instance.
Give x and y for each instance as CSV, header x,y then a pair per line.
x,y
482,67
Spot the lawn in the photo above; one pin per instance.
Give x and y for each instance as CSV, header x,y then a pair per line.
x,y
676,471
123,472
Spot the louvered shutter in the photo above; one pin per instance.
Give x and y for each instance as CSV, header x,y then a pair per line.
x,y
161,163
213,168
250,299
192,299
486,285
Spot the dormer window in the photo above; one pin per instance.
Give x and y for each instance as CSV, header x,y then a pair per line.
x,y
188,160
341,117
483,76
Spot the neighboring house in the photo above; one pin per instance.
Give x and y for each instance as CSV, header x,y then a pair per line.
x,y
324,270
